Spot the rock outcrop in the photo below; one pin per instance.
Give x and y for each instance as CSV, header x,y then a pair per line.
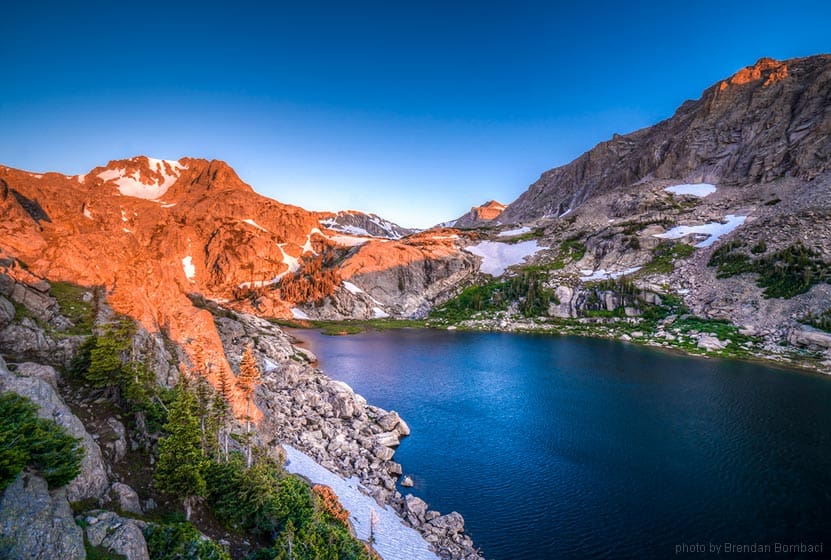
x,y
478,216
120,535
92,482
36,524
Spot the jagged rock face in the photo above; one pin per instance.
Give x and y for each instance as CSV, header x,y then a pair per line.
x,y
403,279
92,482
357,223
768,121
479,215
37,524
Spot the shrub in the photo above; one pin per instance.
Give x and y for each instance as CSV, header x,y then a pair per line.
x,y
181,541
41,444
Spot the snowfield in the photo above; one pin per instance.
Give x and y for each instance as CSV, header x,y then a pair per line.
x,y
600,274
696,189
139,187
512,232
496,256
297,314
393,539
714,230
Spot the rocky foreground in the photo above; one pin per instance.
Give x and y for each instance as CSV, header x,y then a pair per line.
x,y
300,406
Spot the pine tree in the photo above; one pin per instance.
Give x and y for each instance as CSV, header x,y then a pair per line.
x,y
247,381
222,410
181,466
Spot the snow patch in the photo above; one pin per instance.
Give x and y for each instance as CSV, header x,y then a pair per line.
x,y
352,230
601,274
142,187
123,215
352,288
512,232
169,205
496,256
188,267
251,222
292,262
713,230
566,213
393,539
87,213
297,314
348,241
269,366
697,189
378,313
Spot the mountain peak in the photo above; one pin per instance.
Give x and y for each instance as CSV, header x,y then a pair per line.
x,y
770,69
140,176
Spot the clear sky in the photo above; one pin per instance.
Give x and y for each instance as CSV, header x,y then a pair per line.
x,y
413,110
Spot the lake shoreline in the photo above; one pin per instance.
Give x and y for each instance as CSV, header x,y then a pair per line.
x,y
793,362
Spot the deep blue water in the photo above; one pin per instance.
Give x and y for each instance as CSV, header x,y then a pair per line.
x,y
559,447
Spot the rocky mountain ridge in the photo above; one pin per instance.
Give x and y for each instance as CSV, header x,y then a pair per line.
x,y
767,121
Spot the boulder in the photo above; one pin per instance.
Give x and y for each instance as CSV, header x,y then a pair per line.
x,y
6,312
387,439
92,481
811,339
710,343
453,522
126,497
402,428
40,371
38,524
415,506
118,440
389,421
383,452
407,482
117,534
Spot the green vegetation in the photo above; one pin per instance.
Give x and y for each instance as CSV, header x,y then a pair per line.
x,y
759,248
571,250
100,553
820,320
26,440
251,497
526,288
272,504
180,541
181,465
788,272
71,300
352,326
527,236
632,227
104,361
664,257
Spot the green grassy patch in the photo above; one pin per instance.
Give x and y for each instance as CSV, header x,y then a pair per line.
x,y
820,320
664,257
70,299
527,289
351,326
787,273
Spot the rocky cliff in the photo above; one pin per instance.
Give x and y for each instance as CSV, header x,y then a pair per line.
x,y
768,121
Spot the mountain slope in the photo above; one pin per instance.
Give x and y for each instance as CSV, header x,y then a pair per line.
x,y
768,120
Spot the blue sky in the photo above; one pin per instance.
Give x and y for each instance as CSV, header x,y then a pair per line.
x,y
412,110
